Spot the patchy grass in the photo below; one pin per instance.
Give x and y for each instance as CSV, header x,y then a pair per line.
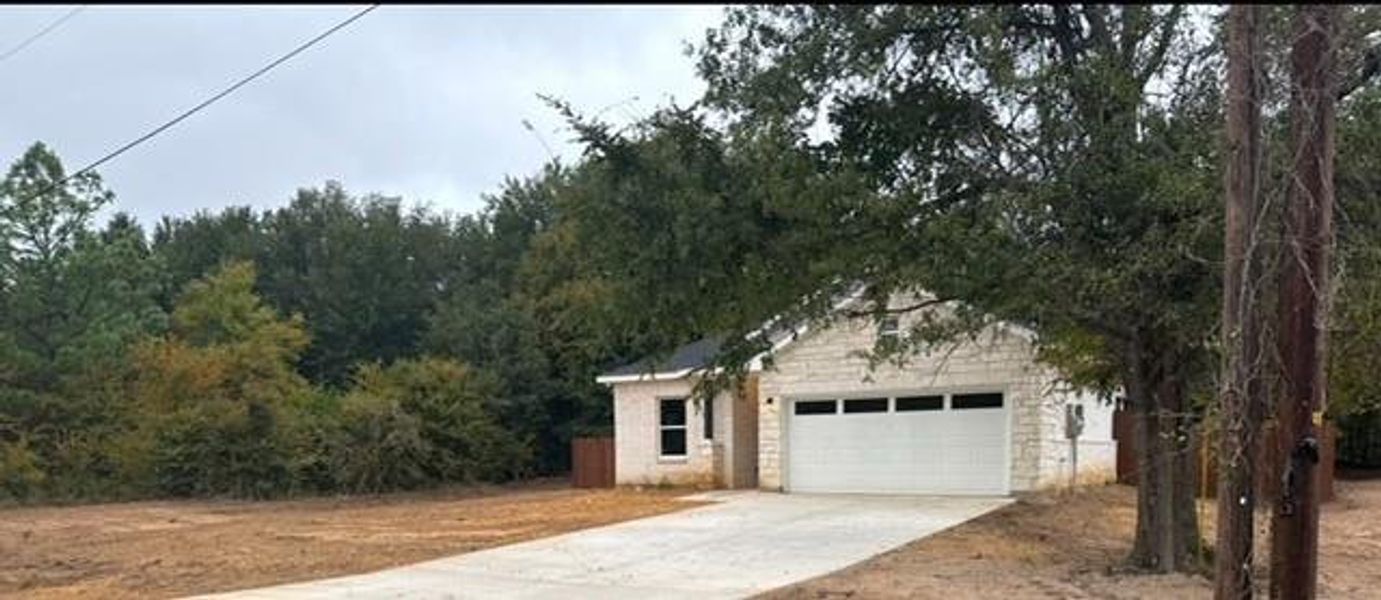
x,y
1071,545
174,548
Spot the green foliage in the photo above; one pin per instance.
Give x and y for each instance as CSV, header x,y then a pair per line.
x,y
1359,439
362,271
72,301
1355,336
1050,166
68,296
20,474
422,422
168,369
379,446
516,308
217,450
217,406
210,395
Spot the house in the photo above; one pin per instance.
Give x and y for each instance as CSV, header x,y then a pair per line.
x,y
982,418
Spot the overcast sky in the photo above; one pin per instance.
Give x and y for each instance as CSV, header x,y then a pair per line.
x,y
423,102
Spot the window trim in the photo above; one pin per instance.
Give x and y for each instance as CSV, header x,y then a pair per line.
x,y
684,428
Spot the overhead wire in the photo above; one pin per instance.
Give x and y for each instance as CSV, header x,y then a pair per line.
x,y
47,29
208,102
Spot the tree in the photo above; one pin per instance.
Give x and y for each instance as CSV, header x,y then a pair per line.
x,y
364,272
72,301
424,421
1243,377
194,246
209,398
501,311
68,296
1305,298
1012,161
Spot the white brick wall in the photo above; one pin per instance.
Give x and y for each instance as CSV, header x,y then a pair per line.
x,y
821,362
636,436
1097,449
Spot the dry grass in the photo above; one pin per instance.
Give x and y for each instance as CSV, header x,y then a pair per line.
x,y
1063,545
164,549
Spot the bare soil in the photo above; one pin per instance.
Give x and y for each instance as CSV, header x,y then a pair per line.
x,y
1071,545
175,548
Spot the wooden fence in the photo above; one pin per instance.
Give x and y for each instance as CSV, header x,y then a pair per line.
x,y
1267,475
592,462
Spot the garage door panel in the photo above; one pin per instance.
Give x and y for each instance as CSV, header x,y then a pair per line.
x,y
924,451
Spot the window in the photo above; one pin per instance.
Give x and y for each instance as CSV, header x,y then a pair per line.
x,y
967,401
889,327
919,403
707,411
672,425
866,405
815,407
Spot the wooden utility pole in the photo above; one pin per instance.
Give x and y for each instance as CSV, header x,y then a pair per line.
x,y
1304,300
1241,392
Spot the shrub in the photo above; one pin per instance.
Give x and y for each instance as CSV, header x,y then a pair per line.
x,y
221,450
421,422
20,475
379,446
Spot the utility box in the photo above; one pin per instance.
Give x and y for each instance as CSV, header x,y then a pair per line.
x,y
1074,421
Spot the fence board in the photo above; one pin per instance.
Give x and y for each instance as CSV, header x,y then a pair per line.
x,y
592,462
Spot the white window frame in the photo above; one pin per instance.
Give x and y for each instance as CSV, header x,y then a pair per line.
x,y
684,427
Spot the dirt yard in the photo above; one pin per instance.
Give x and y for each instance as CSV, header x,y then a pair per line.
x,y
1070,545
163,549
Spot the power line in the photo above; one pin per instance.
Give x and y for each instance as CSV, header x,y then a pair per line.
x,y
209,101
47,29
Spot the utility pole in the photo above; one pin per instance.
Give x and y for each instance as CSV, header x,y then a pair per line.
x,y
1241,395
1304,301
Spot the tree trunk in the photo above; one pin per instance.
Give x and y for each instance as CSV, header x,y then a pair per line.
x,y
1167,530
1304,301
1240,397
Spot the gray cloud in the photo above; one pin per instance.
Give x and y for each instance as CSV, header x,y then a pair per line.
x,y
424,102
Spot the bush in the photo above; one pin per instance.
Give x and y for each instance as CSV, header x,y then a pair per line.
x,y
20,475
379,446
221,450
1359,439
421,422
307,426
216,408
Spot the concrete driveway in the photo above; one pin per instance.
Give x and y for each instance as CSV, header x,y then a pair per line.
x,y
745,543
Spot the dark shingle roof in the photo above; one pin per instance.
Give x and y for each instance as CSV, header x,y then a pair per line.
x,y
694,355
700,353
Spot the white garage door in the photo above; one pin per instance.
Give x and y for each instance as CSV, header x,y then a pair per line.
x,y
917,444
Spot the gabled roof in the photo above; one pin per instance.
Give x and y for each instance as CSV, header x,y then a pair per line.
x,y
683,360
700,354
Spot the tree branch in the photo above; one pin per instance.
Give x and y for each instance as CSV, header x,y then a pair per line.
x,y
1097,16
1371,67
1167,34
1066,32
896,311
